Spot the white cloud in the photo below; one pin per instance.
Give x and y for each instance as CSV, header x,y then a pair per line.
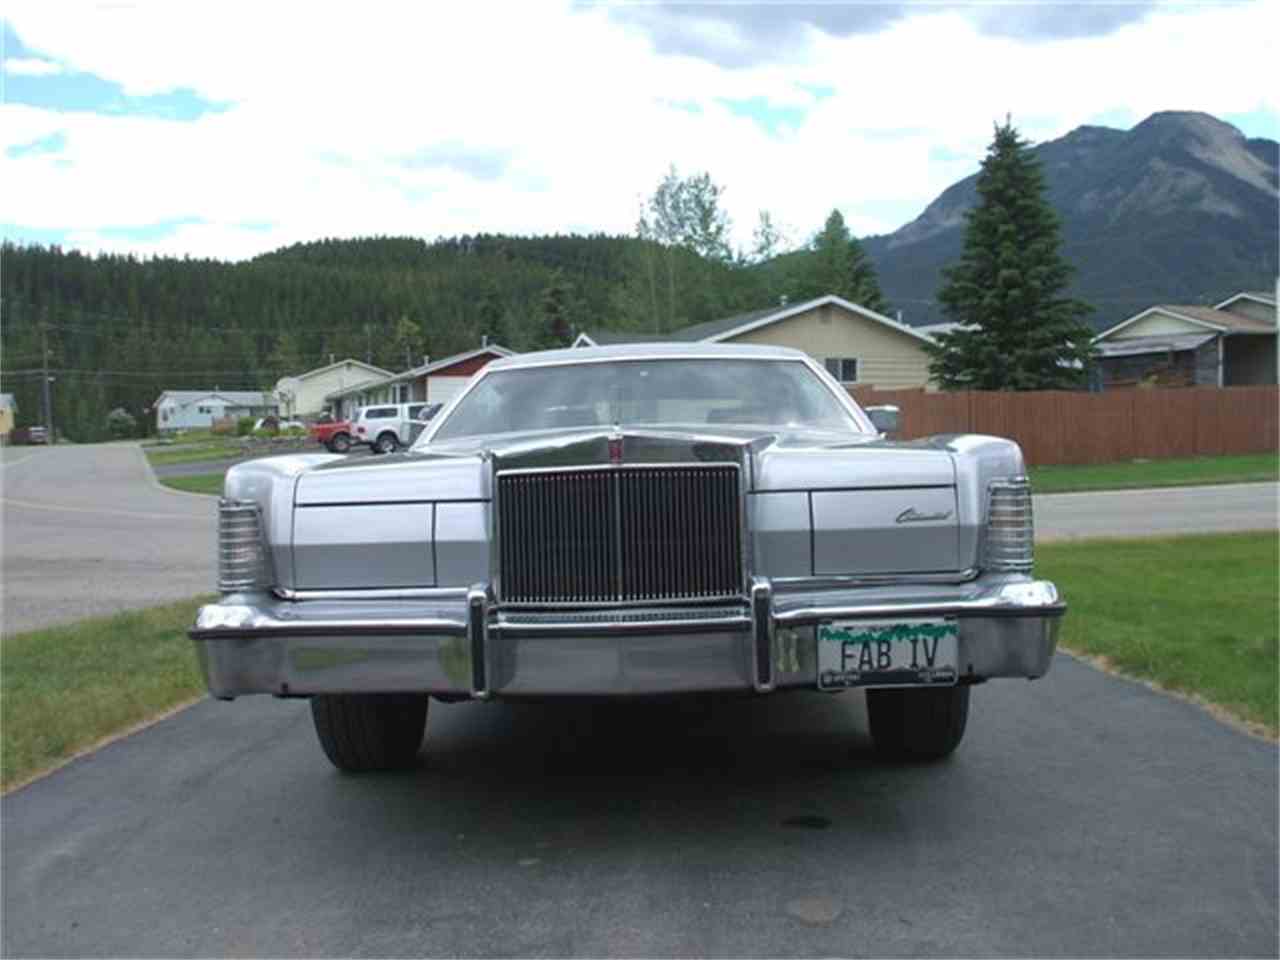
x,y
534,117
31,67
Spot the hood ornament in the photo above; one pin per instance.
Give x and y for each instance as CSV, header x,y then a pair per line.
x,y
912,515
615,449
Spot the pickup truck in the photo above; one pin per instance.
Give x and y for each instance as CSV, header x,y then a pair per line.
x,y
335,435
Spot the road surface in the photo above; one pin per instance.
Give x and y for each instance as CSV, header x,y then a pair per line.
x,y
87,533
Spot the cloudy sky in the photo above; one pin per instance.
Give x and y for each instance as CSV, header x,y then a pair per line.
x,y
228,129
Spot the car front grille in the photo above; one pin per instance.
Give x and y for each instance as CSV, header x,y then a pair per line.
x,y
619,534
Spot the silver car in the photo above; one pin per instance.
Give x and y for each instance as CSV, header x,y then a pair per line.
x,y
625,522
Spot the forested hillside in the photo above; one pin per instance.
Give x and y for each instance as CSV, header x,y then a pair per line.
x,y
119,329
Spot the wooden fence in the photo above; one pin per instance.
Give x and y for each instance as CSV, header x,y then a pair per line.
x,y
1062,426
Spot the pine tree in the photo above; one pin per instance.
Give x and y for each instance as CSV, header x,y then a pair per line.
x,y
556,309
837,264
1020,331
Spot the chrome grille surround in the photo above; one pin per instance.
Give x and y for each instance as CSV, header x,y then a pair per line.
x,y
243,563
633,534
1010,528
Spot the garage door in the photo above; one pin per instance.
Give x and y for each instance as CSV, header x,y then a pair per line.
x,y
442,389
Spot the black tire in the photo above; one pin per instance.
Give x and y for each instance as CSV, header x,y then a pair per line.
x,y
918,723
362,732
386,443
340,442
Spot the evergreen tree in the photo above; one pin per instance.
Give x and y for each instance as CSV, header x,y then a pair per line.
x,y
1020,331
556,309
836,263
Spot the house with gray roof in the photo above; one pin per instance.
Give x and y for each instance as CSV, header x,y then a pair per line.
x,y
861,348
1228,345
198,409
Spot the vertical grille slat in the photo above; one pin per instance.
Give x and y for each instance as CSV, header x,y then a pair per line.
x,y
626,533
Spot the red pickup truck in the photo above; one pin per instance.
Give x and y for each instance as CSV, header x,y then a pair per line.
x,y
333,434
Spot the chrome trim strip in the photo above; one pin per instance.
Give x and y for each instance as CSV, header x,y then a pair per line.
x,y
478,633
762,635
740,621
833,582
374,593
596,467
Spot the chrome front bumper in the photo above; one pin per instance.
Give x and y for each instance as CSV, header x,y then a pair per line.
x,y
467,646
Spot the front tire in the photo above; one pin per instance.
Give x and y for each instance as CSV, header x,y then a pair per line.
x,y
386,443
918,723
363,732
340,443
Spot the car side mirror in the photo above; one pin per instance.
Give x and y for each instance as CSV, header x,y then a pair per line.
x,y
884,418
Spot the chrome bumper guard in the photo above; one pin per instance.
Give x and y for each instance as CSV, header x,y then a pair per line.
x,y
469,646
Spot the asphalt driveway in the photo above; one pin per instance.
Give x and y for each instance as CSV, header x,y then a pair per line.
x,y
1083,816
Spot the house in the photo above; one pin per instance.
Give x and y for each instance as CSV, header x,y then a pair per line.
x,y
433,382
197,409
304,395
1231,344
859,346
8,410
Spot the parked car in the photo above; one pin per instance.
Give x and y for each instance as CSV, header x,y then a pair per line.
x,y
37,434
334,435
628,521
386,427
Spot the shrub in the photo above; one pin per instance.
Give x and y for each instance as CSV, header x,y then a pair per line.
x,y
121,423
244,426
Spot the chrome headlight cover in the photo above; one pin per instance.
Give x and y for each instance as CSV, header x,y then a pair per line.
x,y
1010,532
243,560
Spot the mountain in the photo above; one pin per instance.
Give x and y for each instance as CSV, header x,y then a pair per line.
x,y
1180,209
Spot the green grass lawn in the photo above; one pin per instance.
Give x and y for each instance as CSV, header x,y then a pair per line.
x,y
1242,468
210,483
1196,614
66,688
209,450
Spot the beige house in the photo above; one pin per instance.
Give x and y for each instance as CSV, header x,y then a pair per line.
x,y
860,347
8,409
1231,344
433,382
304,395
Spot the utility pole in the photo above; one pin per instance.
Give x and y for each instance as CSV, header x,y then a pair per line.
x,y
44,379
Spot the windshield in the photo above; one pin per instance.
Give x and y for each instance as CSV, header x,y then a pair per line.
x,y
771,393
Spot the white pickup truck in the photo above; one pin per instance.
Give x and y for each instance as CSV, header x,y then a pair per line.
x,y
389,426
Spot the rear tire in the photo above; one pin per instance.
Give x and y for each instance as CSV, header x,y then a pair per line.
x,y
363,732
918,723
386,443
340,443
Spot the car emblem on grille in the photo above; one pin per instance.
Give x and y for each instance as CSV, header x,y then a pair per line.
x,y
912,515
615,449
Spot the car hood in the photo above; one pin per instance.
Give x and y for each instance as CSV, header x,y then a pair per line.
x,y
771,460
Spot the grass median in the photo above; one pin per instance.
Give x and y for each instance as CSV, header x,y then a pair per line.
x,y
210,483
66,688
1140,474
1194,614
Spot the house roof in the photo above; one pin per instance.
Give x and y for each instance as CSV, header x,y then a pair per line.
x,y
1262,297
715,331
234,398
375,371
435,366
425,369
1210,318
1138,346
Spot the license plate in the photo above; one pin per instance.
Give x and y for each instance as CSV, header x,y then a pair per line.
x,y
888,653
